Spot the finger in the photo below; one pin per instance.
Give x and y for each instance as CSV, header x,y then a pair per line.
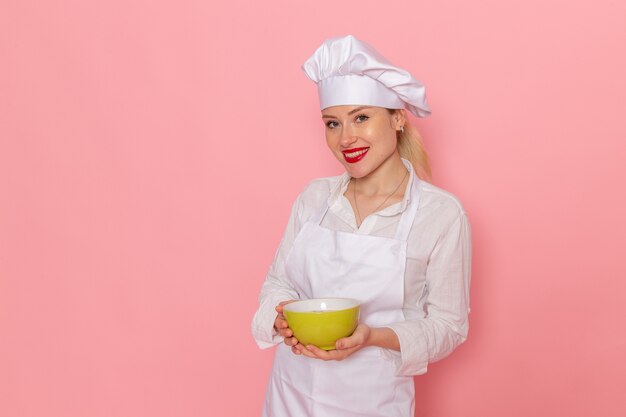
x,y
347,343
335,355
290,341
343,343
358,338
320,353
286,332
279,307
304,351
281,323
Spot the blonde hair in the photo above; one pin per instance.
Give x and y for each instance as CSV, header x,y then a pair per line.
x,y
411,148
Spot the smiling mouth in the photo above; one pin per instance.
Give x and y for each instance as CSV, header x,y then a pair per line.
x,y
354,155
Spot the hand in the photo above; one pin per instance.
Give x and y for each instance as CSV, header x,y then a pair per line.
x,y
282,327
344,347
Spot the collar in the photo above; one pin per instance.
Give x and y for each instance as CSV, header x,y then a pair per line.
x,y
339,204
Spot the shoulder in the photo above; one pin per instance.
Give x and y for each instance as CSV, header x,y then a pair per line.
x,y
320,187
316,193
438,203
440,198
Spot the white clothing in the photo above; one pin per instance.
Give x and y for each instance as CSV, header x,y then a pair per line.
x,y
329,263
437,273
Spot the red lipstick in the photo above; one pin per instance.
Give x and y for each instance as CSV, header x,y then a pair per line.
x,y
355,154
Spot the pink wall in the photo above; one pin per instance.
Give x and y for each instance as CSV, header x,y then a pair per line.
x,y
150,151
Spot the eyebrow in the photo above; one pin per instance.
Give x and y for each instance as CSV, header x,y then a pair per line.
x,y
326,116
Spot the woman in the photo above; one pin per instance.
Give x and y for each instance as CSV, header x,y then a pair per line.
x,y
378,233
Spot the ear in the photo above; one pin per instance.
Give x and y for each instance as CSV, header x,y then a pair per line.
x,y
399,118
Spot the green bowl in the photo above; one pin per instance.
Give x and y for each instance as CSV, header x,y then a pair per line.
x,y
321,321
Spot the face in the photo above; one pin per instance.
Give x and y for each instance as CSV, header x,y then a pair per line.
x,y
362,138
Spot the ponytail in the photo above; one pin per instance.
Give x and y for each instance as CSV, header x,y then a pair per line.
x,y
411,148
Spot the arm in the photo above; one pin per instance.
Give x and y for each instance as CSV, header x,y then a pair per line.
x,y
446,325
276,287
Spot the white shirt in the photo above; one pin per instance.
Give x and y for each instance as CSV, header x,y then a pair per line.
x,y
437,274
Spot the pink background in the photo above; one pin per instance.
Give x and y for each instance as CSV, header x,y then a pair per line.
x,y
150,152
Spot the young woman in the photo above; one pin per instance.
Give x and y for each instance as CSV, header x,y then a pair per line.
x,y
378,233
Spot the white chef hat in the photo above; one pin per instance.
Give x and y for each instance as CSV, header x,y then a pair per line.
x,y
350,72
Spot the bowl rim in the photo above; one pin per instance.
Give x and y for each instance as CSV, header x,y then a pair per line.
x,y
290,307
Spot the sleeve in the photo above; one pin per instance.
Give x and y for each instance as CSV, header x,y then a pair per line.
x,y
276,287
446,324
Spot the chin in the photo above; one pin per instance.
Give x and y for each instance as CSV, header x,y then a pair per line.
x,y
356,171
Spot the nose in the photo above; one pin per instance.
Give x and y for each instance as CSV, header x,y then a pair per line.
x,y
347,136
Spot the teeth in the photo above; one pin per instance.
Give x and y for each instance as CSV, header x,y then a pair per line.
x,y
355,154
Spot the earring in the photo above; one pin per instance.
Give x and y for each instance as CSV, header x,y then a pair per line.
x,y
402,129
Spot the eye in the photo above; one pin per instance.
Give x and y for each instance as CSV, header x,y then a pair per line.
x,y
361,118
331,124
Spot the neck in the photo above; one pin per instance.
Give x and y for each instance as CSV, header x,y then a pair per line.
x,y
385,178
